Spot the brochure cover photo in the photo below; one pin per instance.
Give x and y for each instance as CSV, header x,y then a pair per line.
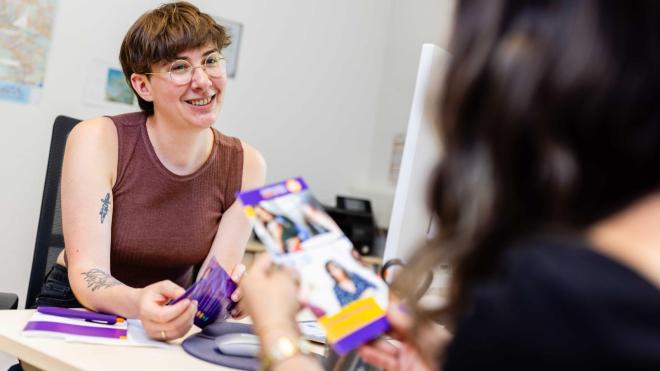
x,y
349,298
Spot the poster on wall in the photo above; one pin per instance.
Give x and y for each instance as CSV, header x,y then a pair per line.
x,y
116,87
105,86
234,29
25,35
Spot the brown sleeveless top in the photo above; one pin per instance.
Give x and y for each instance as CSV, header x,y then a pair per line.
x,y
163,224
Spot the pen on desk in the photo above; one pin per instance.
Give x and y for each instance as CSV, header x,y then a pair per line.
x,y
109,319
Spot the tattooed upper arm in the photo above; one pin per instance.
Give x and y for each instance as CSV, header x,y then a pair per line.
x,y
105,206
99,279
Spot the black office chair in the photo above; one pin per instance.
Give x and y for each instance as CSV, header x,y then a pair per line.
x,y
50,240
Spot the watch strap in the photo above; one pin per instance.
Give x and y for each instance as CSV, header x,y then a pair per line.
x,y
283,348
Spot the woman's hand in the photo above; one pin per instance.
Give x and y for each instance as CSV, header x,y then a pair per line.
x,y
391,356
236,274
162,321
422,353
270,295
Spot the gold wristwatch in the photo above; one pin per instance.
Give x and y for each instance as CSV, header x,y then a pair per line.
x,y
283,348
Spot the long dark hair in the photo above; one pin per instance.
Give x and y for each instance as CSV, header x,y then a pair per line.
x,y
550,120
347,274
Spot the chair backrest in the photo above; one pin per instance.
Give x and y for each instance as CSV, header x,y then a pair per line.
x,y
50,240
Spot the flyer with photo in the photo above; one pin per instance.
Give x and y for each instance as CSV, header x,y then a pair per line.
x,y
349,299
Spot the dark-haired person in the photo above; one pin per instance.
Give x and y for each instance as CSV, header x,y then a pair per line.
x,y
287,235
348,286
148,196
548,199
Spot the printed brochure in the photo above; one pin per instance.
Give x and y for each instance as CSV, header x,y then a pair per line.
x,y
349,299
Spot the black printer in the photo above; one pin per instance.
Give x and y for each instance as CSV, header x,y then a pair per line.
x,y
356,219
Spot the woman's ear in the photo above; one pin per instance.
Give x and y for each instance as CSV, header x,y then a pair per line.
x,y
142,86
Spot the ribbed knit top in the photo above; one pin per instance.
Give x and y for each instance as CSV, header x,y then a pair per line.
x,y
163,223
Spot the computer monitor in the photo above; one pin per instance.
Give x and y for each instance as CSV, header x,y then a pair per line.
x,y
410,223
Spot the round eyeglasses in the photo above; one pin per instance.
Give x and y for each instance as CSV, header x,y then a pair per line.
x,y
181,71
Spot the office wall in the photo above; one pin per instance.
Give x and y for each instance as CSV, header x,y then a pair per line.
x,y
314,88
412,24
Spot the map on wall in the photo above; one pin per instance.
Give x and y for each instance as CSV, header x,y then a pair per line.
x,y
25,36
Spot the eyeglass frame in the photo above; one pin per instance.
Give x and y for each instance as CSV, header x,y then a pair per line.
x,y
192,68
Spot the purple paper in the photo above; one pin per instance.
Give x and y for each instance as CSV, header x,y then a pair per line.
x,y
274,190
366,333
66,328
213,295
110,319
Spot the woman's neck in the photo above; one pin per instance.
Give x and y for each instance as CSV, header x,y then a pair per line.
x,y
182,150
632,237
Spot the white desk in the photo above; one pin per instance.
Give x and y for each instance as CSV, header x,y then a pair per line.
x,y
54,354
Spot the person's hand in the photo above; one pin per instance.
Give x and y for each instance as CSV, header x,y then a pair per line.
x,y
406,353
392,356
162,321
270,295
236,274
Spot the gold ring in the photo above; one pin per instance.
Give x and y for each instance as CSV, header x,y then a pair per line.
x,y
163,334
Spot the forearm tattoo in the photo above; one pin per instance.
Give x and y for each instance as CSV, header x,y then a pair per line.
x,y
105,205
98,279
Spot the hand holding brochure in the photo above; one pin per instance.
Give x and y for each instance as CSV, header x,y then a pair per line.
x,y
350,299
212,294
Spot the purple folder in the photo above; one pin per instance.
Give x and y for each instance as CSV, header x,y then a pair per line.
x,y
66,328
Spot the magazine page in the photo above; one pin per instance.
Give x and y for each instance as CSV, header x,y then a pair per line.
x,y
349,299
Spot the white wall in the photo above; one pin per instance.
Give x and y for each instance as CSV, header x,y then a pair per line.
x,y
412,23
321,85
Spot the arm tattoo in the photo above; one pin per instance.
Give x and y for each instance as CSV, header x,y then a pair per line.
x,y
98,279
105,204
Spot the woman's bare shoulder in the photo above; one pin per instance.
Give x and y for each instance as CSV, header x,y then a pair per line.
x,y
94,140
97,133
254,167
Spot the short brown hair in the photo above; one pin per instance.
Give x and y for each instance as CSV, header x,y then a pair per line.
x,y
161,34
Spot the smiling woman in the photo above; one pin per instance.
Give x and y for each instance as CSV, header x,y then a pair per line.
x,y
147,197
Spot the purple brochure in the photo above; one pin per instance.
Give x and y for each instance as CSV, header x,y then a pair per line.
x,y
213,295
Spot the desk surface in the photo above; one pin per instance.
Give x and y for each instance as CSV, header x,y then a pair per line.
x,y
54,354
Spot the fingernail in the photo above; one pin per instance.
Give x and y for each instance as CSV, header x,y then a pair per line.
x,y
403,308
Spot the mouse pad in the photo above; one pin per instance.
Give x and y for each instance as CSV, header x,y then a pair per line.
x,y
202,345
